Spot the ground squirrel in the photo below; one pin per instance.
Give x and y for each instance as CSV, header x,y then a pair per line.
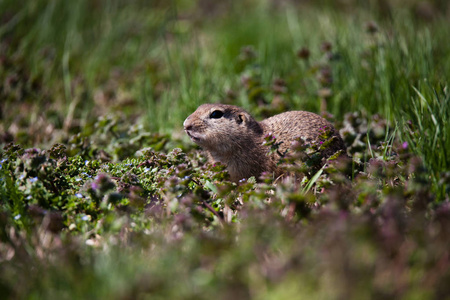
x,y
231,136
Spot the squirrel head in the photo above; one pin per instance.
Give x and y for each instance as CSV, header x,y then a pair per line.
x,y
219,126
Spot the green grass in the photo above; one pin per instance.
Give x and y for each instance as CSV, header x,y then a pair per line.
x,y
426,128
75,50
90,217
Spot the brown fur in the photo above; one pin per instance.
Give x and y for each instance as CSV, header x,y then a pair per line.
x,y
235,139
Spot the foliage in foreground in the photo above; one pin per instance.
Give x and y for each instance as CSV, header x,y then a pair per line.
x,y
168,225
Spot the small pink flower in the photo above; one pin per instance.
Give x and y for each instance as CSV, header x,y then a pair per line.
x,y
405,145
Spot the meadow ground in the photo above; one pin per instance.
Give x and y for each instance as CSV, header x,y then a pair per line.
x,y
103,196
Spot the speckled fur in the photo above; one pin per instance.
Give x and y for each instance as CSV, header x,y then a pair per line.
x,y
236,139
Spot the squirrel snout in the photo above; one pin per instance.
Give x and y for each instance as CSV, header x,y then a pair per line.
x,y
187,124
191,124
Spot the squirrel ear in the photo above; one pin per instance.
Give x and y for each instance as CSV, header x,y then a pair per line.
x,y
241,118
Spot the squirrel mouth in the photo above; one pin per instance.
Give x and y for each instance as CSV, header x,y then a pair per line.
x,y
194,138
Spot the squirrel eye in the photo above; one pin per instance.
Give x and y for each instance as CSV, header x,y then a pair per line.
x,y
217,114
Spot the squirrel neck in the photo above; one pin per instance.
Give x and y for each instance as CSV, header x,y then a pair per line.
x,y
243,157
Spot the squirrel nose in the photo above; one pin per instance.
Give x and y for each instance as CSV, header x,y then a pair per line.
x,y
187,124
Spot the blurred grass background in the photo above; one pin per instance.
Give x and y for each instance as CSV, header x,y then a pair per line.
x,y
162,58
